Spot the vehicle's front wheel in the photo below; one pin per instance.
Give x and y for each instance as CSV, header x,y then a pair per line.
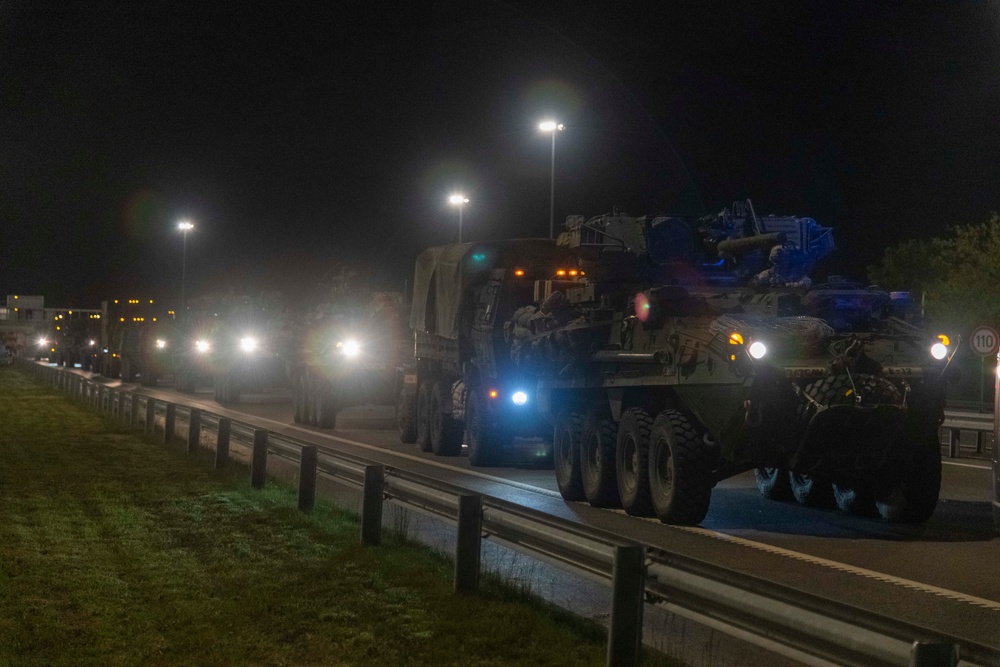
x,y
773,483
446,433
811,489
913,495
325,404
566,451
632,462
680,469
597,459
406,418
424,417
485,439
854,499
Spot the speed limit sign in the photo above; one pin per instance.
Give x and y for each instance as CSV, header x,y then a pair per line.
x,y
984,341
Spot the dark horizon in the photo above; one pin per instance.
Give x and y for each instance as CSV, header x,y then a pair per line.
x,y
301,139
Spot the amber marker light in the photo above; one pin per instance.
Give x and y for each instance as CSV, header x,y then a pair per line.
x,y
573,272
561,272
735,338
519,272
494,393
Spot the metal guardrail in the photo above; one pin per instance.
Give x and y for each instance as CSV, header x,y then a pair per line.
x,y
789,621
956,421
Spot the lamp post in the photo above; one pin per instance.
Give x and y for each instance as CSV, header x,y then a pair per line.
x,y
185,226
459,201
552,127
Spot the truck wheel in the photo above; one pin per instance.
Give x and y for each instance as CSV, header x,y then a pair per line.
x,y
424,417
632,462
326,405
857,500
597,459
680,470
406,418
446,433
811,489
913,495
566,451
773,483
484,438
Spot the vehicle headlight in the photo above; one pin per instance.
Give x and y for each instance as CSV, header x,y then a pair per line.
x,y
519,398
248,344
757,349
42,342
202,346
160,344
939,350
351,348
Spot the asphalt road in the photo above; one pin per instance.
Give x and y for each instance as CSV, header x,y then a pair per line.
x,y
944,575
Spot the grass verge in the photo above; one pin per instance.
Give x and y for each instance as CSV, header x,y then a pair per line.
x,y
115,550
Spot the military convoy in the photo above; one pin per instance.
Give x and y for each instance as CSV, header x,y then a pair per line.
x,y
666,354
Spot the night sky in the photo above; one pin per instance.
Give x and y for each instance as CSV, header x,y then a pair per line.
x,y
302,136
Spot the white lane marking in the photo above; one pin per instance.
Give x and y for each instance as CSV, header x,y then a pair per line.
x,y
760,546
850,569
965,465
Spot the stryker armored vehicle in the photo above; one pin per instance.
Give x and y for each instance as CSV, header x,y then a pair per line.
x,y
686,351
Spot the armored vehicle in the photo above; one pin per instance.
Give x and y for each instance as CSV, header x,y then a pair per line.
x,y
136,338
685,351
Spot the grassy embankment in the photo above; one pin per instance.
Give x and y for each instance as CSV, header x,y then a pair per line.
x,y
115,550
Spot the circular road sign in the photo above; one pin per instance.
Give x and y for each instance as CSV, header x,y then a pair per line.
x,y
984,341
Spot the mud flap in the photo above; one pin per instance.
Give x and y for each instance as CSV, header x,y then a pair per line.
x,y
848,438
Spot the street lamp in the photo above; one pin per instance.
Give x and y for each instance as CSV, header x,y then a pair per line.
x,y
459,201
185,226
553,127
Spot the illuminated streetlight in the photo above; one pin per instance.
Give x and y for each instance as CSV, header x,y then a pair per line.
x,y
459,201
553,127
185,226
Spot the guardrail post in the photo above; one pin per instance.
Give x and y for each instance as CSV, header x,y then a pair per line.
x,y
222,443
169,422
371,506
194,430
150,415
122,414
308,461
258,462
468,544
134,417
933,654
628,583
953,446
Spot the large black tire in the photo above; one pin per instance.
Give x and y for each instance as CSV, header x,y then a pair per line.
x,y
566,452
680,469
325,404
485,439
424,417
597,459
858,500
913,495
446,432
185,381
811,489
406,418
773,483
632,462
128,374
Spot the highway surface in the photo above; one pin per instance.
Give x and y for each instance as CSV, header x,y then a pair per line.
x,y
944,575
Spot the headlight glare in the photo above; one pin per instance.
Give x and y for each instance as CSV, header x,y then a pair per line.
x,y
248,344
757,349
202,346
939,350
519,398
351,348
